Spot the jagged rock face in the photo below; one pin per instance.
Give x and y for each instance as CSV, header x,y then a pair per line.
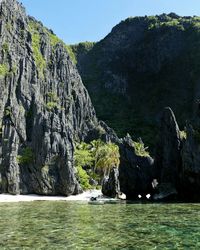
x,y
190,174
111,186
44,108
168,156
136,173
154,59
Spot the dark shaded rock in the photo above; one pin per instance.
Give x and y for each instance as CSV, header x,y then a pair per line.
x,y
150,58
190,174
166,192
136,173
168,156
103,132
93,182
110,186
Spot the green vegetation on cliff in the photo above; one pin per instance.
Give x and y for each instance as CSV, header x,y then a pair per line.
x,y
26,156
3,70
143,65
140,149
54,40
94,160
39,59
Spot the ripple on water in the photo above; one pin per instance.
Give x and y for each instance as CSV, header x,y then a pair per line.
x,y
77,225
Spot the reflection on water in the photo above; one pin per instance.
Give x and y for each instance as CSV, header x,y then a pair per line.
x,y
75,225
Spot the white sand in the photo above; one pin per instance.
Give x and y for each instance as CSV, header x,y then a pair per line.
x,y
85,196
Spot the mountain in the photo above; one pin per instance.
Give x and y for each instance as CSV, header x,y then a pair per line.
x,y
143,65
44,107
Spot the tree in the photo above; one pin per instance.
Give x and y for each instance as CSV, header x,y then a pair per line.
x,y
83,155
107,157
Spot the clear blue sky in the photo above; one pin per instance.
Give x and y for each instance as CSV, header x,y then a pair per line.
x,y
90,20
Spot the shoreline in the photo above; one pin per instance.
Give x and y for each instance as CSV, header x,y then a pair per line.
x,y
85,196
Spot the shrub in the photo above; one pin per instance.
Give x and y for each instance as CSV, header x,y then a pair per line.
x,y
96,155
52,101
107,157
38,57
9,26
71,54
140,150
54,40
26,156
3,70
52,105
183,134
8,111
52,96
83,178
83,156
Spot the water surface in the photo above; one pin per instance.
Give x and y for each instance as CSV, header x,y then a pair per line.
x,y
78,225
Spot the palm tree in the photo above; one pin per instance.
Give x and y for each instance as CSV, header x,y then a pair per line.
x,y
107,157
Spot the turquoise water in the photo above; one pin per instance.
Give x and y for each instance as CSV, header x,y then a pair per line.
x,y
75,225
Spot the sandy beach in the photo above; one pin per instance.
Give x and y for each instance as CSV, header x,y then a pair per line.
x,y
85,196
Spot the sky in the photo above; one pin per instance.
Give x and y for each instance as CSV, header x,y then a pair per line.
x,y
77,21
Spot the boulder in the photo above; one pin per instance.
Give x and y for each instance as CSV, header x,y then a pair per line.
x,y
110,186
136,172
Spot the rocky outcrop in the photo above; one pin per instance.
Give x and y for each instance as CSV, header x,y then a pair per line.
x,y
190,174
168,155
44,107
136,172
150,58
111,186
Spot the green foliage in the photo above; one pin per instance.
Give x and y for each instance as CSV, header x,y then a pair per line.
x,y
155,23
95,159
83,155
81,48
71,54
83,178
183,135
26,157
52,105
86,45
7,111
52,96
54,40
5,47
107,157
166,83
140,150
9,26
38,57
174,23
52,101
3,70
83,158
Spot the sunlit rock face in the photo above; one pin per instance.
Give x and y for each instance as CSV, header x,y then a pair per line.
x,y
44,107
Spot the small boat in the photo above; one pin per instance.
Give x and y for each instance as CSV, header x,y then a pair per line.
x,y
112,201
95,201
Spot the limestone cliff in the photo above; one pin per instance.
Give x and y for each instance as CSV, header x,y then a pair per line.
x,y
143,65
44,107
